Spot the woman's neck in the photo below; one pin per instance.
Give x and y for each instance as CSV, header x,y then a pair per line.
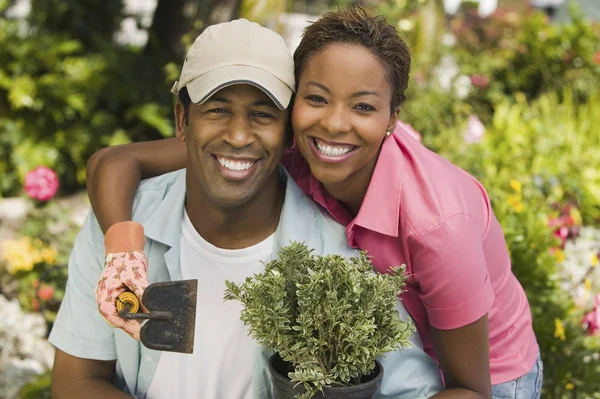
x,y
351,191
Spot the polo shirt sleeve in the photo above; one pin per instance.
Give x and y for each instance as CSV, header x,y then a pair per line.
x,y
79,329
450,267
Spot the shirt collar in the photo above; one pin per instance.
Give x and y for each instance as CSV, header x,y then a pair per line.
x,y
165,224
380,210
296,223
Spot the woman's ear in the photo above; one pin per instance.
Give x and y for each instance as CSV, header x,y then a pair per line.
x,y
180,121
393,119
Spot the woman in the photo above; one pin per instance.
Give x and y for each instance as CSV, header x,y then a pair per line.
x,y
400,202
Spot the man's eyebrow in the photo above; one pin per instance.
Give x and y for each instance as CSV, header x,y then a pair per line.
x,y
267,103
218,100
319,85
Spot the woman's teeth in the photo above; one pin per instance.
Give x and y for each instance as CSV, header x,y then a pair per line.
x,y
234,164
331,150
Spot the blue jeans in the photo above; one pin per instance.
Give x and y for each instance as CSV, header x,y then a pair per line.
x,y
528,386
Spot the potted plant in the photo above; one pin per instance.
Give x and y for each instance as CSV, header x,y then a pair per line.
x,y
327,318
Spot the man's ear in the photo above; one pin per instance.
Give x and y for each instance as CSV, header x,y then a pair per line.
x,y
180,121
393,119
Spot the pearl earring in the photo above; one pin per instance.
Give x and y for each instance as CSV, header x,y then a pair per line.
x,y
388,133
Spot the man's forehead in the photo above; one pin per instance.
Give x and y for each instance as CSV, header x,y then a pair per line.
x,y
242,92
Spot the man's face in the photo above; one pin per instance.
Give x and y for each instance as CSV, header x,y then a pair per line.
x,y
235,141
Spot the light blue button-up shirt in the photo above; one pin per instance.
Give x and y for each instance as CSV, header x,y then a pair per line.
x,y
81,331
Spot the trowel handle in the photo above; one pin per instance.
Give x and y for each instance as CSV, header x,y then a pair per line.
x,y
128,305
127,302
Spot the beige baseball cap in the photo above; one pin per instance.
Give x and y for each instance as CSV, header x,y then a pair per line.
x,y
238,52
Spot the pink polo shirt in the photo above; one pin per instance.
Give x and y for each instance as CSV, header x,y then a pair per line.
x,y
425,212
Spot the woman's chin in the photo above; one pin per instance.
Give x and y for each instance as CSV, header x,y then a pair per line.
x,y
329,177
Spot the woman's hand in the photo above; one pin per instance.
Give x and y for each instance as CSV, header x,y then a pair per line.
x,y
126,269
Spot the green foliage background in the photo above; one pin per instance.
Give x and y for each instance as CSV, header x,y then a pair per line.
x,y
67,90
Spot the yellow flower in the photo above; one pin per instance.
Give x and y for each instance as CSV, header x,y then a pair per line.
x,y
18,254
516,185
24,253
516,203
570,386
588,285
559,255
48,255
559,330
594,259
576,216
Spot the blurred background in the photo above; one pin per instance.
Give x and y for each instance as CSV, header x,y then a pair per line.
x,y
507,89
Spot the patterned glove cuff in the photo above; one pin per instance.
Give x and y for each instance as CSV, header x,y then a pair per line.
x,y
123,237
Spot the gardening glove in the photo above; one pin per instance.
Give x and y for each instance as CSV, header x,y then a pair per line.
x,y
126,269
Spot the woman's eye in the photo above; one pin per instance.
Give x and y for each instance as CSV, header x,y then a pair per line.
x,y
316,99
365,107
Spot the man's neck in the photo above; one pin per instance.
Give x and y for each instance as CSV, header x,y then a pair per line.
x,y
236,227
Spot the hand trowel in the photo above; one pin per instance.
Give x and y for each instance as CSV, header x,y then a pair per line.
x,y
171,314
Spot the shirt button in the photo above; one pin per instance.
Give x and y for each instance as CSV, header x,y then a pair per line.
x,y
149,359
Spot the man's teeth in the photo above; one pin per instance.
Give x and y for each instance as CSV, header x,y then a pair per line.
x,y
332,151
235,165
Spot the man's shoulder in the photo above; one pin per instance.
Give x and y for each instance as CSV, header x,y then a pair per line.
x,y
162,183
153,191
305,220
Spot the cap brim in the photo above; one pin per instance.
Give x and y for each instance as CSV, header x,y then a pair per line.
x,y
201,88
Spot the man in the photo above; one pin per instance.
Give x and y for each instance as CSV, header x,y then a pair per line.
x,y
232,209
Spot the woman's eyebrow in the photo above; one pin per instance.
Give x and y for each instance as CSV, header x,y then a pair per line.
x,y
365,93
319,85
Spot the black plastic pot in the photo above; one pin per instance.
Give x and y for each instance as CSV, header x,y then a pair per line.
x,y
283,388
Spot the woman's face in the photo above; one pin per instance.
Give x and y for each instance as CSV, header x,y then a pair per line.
x,y
341,113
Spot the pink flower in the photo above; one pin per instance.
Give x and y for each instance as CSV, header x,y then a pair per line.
x,y
45,292
475,130
410,130
41,183
562,234
591,321
419,78
480,81
35,304
597,57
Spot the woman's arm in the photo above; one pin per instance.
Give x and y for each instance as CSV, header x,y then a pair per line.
x,y
114,174
463,354
456,290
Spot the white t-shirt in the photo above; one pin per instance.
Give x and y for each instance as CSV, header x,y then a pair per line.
x,y
221,365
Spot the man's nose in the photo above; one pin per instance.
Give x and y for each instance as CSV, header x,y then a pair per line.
x,y
239,131
336,120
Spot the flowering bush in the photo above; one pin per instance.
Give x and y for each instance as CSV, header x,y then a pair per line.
x,y
33,265
537,161
522,52
25,352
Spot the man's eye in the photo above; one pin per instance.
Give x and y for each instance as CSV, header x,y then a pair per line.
x,y
262,115
218,110
365,107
